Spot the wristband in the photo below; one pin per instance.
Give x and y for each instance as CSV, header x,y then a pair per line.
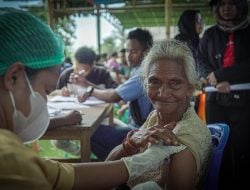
x,y
127,146
124,148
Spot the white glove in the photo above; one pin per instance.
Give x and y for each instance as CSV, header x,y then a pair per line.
x,y
149,185
152,158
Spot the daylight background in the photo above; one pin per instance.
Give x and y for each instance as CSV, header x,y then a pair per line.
x,y
79,30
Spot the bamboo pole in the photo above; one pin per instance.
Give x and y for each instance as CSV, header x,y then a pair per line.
x,y
168,10
51,13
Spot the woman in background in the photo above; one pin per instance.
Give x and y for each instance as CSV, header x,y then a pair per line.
x,y
190,26
224,60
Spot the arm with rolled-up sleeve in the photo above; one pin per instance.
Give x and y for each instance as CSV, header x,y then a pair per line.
x,y
152,158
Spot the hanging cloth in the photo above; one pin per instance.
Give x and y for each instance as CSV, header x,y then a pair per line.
x,y
228,59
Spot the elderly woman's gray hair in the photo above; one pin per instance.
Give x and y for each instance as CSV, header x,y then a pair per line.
x,y
174,50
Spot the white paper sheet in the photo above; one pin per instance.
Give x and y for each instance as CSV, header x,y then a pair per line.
x,y
72,100
66,105
63,99
53,112
245,86
93,101
76,89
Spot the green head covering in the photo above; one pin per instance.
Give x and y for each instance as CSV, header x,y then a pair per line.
x,y
26,39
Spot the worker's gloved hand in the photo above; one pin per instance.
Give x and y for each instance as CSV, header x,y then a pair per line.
x,y
152,158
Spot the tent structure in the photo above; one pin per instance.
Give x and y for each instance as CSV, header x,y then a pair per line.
x,y
130,13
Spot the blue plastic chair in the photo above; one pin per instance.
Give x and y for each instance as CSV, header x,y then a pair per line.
x,y
220,133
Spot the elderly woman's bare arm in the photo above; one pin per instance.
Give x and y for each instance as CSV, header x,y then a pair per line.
x,y
129,168
182,173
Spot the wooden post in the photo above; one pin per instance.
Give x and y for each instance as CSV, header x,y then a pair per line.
x,y
98,22
51,17
168,10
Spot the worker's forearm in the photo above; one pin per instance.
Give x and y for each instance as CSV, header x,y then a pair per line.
x,y
100,175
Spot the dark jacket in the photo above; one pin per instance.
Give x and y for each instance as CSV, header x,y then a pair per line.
x,y
211,50
210,59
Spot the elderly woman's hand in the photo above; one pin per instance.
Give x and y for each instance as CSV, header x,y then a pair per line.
x,y
154,135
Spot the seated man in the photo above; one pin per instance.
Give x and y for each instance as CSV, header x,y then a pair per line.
x,y
91,75
105,138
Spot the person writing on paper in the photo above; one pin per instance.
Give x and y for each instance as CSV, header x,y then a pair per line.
x,y
169,76
138,43
24,116
87,73
105,138
224,59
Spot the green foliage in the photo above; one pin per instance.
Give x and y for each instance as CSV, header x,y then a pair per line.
x,y
65,26
47,150
108,44
114,42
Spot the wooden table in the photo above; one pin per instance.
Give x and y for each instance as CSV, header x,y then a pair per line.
x,y
91,120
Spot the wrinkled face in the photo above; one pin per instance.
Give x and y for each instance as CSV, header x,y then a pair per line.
x,y
228,10
168,88
134,52
83,67
198,23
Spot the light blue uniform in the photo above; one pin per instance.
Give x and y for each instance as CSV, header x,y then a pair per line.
x,y
106,138
131,90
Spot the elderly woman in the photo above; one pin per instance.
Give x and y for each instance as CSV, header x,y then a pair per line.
x,y
169,78
30,63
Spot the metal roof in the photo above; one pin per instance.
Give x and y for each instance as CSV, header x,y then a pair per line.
x,y
130,13
154,12
133,13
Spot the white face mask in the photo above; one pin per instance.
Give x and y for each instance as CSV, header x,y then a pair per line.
x,y
32,127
